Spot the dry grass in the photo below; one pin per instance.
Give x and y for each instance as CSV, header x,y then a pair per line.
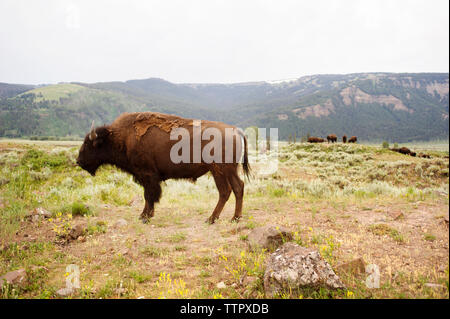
x,y
340,199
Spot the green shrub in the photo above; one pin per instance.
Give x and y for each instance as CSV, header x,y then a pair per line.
x,y
77,209
80,209
99,227
38,159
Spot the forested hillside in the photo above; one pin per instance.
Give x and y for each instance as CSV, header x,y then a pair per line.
x,y
372,106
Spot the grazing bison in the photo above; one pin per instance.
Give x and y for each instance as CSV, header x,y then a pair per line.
x,y
423,155
352,139
332,138
404,150
314,139
144,145
344,139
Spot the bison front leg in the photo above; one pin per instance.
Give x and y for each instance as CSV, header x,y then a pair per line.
x,y
147,213
152,193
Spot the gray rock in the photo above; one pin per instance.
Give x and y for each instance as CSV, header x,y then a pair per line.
x,y
292,267
39,213
77,231
221,285
42,212
15,277
64,292
268,237
120,223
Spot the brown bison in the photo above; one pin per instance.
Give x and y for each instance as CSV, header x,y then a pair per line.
x,y
344,139
143,144
404,150
314,139
332,138
352,139
423,155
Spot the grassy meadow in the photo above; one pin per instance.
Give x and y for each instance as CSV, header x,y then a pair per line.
x,y
55,92
347,201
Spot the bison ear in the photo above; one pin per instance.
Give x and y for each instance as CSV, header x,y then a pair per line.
x,y
102,132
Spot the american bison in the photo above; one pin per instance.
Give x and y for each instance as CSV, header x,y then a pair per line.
x,y
344,139
404,150
144,145
423,155
352,139
332,138
314,139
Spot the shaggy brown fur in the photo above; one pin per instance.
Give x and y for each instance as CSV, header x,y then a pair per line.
x,y
139,143
332,138
344,139
352,139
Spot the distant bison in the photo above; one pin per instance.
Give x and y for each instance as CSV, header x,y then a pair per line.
x,y
404,150
314,139
332,138
344,139
352,139
424,155
142,144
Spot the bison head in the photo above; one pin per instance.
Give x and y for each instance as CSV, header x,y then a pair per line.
x,y
94,151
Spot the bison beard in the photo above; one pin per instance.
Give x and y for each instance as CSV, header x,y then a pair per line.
x,y
139,143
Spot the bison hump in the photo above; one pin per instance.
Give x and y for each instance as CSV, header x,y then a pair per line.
x,y
162,121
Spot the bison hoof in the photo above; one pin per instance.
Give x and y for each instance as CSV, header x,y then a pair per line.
x,y
145,219
235,219
210,220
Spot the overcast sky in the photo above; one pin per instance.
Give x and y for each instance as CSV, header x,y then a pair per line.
x,y
218,41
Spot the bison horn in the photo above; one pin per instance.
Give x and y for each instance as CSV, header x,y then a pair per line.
x,y
92,135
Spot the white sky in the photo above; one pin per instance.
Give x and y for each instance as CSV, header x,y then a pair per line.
x,y
218,41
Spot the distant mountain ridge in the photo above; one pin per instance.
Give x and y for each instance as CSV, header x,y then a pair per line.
x,y
396,107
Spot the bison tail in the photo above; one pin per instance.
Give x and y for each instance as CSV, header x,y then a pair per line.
x,y
245,163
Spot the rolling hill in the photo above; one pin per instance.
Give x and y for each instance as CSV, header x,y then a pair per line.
x,y
373,106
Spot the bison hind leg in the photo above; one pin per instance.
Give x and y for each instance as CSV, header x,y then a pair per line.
x,y
238,189
224,193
